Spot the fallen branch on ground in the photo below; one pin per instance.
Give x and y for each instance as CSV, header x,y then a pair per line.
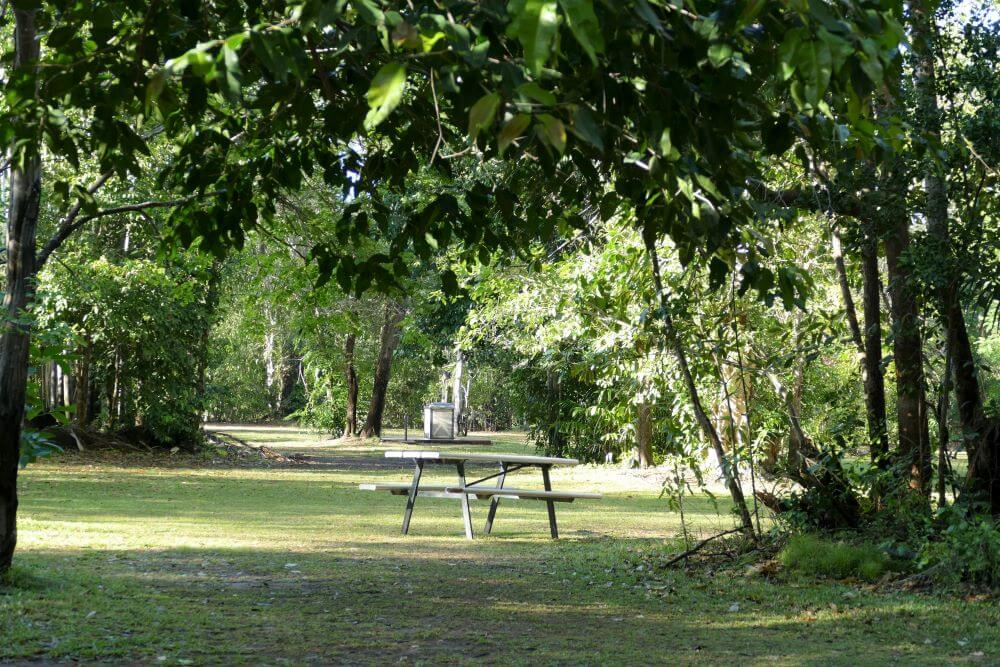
x,y
697,547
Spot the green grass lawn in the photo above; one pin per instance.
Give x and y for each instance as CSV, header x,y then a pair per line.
x,y
177,563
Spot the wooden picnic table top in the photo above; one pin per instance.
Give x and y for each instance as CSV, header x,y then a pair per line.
x,y
455,457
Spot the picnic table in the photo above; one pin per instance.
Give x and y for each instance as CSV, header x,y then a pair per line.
x,y
464,491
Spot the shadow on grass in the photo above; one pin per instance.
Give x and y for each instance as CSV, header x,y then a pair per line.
x,y
264,605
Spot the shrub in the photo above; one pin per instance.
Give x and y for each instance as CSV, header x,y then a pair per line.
x,y
968,550
815,556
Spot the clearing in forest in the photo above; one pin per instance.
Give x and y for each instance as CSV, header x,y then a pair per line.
x,y
179,560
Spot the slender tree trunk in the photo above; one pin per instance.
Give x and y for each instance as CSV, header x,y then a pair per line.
x,y
553,398
728,473
874,377
911,415
845,287
211,304
456,392
963,364
967,390
942,408
644,434
81,397
69,387
389,339
269,368
22,222
289,376
351,425
114,393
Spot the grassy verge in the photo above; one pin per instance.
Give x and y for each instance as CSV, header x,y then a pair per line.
x,y
183,564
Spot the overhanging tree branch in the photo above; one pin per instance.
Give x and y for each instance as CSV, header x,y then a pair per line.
x,y
71,223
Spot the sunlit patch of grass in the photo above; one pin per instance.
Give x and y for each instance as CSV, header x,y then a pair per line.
x,y
815,556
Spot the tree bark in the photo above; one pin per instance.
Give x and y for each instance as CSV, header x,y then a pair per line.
x,y
553,397
389,340
289,376
850,311
22,223
872,373
351,376
211,303
82,396
911,415
456,392
644,434
942,409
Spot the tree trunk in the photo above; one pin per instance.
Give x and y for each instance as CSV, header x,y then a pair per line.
x,y
270,369
872,373
289,376
82,396
456,392
911,415
211,303
728,473
967,390
553,398
963,364
389,339
22,222
942,410
644,434
351,425
845,287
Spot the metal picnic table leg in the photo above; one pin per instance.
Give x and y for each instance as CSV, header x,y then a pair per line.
x,y
551,505
412,497
495,500
466,513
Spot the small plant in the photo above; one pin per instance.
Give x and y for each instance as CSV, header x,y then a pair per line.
x,y
816,556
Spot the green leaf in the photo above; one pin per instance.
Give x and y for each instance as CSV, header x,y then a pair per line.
x,y
369,12
534,24
583,23
647,14
385,93
586,128
719,54
231,82
553,132
840,48
273,62
786,52
514,128
814,64
871,64
482,113
533,91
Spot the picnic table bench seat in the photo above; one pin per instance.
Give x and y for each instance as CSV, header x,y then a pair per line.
x,y
480,492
